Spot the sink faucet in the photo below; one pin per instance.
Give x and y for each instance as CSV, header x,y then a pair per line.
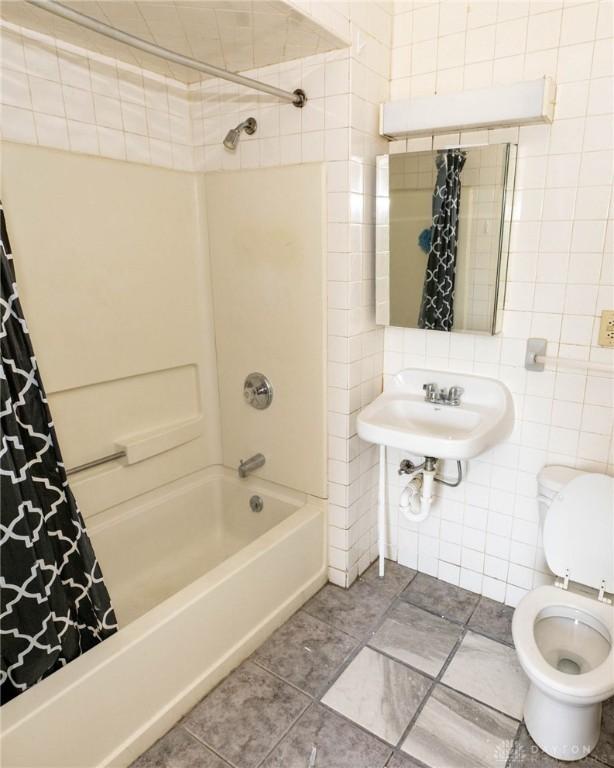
x,y
432,394
251,465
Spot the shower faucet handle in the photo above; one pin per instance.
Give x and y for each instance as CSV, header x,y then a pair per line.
x,y
258,391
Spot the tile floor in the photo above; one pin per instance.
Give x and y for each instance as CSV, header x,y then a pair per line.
x,y
402,673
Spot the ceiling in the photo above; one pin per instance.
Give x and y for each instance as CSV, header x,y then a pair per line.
x,y
236,35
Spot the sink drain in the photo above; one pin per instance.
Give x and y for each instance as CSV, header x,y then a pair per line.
x,y
256,504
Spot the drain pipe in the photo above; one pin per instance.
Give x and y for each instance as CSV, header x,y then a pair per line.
x,y
417,496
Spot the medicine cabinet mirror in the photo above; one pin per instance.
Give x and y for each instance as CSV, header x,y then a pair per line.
x,y
442,237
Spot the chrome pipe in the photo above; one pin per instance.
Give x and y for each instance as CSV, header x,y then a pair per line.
x,y
234,134
96,462
457,482
297,97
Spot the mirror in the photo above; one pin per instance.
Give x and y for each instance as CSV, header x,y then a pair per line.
x,y
442,237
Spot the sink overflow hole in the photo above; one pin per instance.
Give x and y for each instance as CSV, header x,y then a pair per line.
x,y
256,503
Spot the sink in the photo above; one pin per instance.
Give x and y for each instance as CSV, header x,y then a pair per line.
x,y
401,418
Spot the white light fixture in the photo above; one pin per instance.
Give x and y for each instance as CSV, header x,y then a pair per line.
x,y
530,101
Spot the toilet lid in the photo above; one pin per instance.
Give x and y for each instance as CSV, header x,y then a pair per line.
x,y
579,531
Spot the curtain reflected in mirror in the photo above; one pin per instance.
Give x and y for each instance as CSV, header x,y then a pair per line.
x,y
442,237
437,305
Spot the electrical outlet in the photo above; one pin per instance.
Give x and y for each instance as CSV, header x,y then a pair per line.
x,y
606,329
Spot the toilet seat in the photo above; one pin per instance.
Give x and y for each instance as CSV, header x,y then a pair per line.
x,y
588,687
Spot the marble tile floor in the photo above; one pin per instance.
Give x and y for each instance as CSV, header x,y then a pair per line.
x,y
406,672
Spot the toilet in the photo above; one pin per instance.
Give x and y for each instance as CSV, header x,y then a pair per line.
x,y
564,634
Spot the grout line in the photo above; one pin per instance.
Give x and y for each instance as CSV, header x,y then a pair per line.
x,y
249,659
475,630
309,703
482,703
360,727
415,716
510,757
361,638
316,699
436,614
600,761
405,755
208,746
403,663
436,680
490,637
284,734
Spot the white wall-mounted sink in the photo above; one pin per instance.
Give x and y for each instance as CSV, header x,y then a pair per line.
x,y
401,418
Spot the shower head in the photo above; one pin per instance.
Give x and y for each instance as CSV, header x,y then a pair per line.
x,y
234,134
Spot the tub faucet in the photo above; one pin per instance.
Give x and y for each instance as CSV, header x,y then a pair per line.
x,y
251,465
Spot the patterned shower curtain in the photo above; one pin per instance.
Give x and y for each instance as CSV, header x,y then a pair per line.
x,y
55,605
437,306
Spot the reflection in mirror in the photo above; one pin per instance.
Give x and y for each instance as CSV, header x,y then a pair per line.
x,y
443,221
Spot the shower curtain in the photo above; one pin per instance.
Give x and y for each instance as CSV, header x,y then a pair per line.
x,y
437,306
55,605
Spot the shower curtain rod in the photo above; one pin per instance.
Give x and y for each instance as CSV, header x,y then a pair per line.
x,y
297,97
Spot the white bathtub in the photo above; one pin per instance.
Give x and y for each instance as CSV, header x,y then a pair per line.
x,y
198,580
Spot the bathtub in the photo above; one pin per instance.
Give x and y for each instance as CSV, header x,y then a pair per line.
x,y
198,581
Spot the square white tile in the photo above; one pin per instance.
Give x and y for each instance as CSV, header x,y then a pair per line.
x,y
490,672
416,637
378,693
455,732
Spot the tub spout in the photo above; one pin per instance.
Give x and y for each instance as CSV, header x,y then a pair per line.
x,y
251,465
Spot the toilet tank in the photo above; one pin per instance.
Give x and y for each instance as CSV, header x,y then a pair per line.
x,y
550,481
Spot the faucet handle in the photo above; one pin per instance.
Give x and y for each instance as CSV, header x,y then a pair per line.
x,y
454,395
257,391
431,389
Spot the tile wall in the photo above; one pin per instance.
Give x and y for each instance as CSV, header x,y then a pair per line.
x,y
484,535
58,95
55,94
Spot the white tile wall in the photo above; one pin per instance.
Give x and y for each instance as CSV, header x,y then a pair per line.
x,y
58,95
55,94
484,535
